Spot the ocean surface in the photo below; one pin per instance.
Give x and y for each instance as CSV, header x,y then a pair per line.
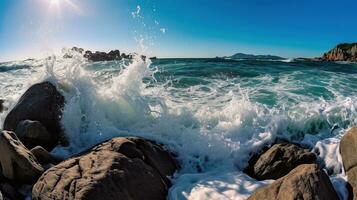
x,y
212,113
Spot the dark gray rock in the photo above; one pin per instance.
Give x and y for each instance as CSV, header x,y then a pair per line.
x,y
41,102
32,134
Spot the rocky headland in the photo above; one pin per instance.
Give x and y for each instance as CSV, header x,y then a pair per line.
x,y
342,52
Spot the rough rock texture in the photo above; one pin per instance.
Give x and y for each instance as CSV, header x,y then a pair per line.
x,y
41,102
18,164
348,150
32,133
278,161
342,52
121,168
305,182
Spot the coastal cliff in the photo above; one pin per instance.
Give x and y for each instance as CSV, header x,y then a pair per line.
x,y
342,52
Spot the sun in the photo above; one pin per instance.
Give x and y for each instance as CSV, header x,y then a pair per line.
x,y
55,6
54,2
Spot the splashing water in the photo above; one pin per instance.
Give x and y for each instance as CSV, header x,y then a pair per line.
x,y
211,113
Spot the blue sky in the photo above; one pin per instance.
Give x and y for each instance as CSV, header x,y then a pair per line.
x,y
176,28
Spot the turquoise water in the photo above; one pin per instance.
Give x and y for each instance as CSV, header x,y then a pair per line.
x,y
212,113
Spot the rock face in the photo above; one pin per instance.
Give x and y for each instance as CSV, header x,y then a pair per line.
x,y
43,157
18,164
32,133
121,168
348,150
305,182
342,52
43,103
278,161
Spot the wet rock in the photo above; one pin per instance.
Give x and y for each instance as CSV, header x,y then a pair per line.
x,y
18,163
305,182
41,102
121,168
278,161
32,133
114,55
2,107
43,156
348,151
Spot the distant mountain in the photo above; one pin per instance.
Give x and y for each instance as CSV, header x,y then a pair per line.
x,y
242,56
342,52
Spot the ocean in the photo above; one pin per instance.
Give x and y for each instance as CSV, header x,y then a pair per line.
x,y
213,114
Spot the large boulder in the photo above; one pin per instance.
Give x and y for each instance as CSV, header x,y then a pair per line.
x,y
348,150
41,102
305,182
121,168
278,161
18,163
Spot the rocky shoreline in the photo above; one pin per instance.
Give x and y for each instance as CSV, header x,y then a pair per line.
x,y
136,168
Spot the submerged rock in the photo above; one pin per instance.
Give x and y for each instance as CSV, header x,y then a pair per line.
x,y
18,163
278,161
348,150
43,103
305,182
121,168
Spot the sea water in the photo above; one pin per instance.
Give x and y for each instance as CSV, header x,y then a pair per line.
x,y
211,113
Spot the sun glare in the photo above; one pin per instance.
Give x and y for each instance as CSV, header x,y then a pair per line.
x,y
57,5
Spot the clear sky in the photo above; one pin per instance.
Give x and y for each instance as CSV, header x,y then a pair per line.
x,y
176,28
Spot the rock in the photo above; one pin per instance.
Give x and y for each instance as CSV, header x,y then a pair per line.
x,y
348,151
41,102
32,133
79,50
342,52
43,156
278,161
18,163
8,191
114,55
121,168
2,108
305,182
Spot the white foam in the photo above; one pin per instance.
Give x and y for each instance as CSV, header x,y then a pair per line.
x,y
212,128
